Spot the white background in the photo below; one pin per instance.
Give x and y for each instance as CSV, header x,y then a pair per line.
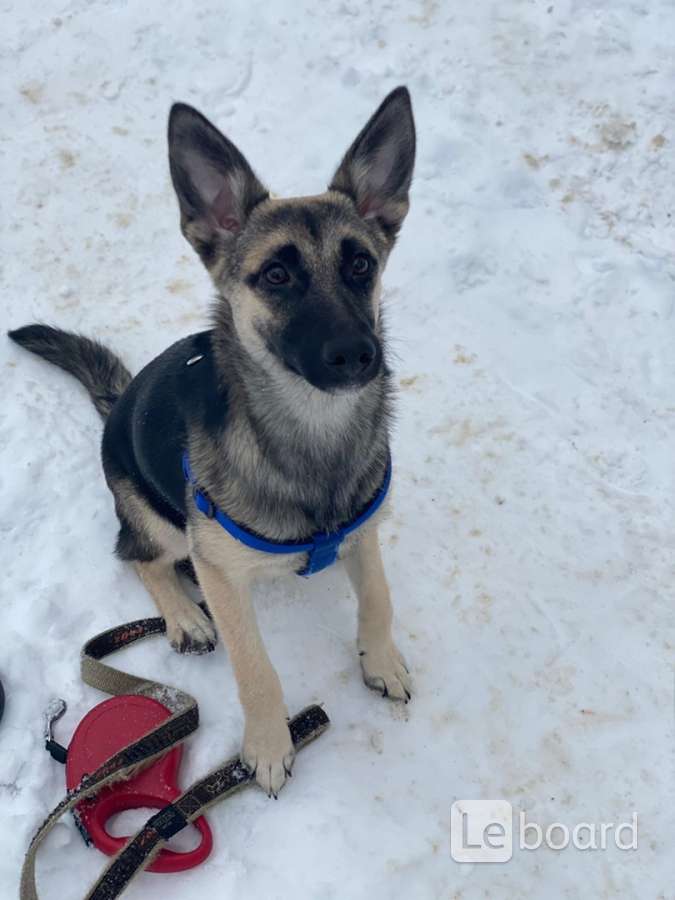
x,y
530,305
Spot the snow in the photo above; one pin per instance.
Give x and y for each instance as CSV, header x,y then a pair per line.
x,y
530,304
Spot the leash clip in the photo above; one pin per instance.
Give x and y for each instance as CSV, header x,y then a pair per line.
x,y
55,710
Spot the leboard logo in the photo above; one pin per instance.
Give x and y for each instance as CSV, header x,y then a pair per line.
x,y
481,831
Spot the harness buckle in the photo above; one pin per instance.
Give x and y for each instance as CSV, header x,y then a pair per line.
x,y
323,553
204,503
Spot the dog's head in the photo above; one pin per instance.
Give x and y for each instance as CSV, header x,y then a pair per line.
x,y
301,276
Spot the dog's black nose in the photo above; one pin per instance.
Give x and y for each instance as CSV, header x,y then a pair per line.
x,y
349,357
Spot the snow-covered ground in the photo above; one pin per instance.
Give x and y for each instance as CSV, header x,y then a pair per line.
x,y
531,304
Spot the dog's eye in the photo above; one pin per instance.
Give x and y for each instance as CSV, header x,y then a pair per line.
x,y
276,274
360,265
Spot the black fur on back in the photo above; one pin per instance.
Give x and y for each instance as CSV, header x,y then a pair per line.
x,y
102,373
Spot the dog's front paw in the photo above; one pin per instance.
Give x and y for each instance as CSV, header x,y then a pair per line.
x,y
191,630
384,670
268,752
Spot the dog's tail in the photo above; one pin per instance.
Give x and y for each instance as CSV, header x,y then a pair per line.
x,y
102,373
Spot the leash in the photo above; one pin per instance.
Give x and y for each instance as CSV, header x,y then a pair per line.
x,y
218,784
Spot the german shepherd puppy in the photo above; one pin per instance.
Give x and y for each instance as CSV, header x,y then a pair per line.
x,y
283,405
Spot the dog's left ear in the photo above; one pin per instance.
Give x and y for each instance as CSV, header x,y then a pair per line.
x,y
377,169
215,185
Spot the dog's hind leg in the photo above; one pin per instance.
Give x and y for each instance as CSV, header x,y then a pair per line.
x,y
382,664
188,628
154,546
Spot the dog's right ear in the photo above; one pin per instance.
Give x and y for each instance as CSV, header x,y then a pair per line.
x,y
215,185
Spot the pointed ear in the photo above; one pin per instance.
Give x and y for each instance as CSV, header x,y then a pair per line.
x,y
215,186
377,169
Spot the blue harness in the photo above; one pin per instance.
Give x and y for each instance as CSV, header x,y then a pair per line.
x,y
323,546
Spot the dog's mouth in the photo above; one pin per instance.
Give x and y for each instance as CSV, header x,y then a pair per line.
x,y
333,381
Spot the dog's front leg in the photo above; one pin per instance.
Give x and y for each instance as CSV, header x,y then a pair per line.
x,y
383,666
267,749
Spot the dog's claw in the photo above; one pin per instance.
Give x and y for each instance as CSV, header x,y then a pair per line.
x,y
384,670
268,754
191,631
189,647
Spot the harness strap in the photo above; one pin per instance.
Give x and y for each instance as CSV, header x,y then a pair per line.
x,y
322,548
228,777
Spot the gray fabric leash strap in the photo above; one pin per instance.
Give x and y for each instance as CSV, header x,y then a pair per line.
x,y
218,784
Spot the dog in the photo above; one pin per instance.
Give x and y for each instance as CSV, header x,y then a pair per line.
x,y
278,416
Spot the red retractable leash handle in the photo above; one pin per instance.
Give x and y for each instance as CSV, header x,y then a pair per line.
x,y
106,729
108,769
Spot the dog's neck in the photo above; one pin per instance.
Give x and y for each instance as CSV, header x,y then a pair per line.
x,y
323,454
